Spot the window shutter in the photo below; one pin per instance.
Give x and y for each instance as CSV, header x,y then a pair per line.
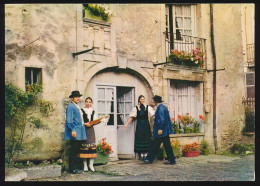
x,y
250,78
250,84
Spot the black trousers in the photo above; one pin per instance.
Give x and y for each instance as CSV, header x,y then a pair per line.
x,y
155,148
74,150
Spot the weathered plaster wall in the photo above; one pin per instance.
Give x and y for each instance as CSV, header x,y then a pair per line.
x,y
230,82
137,36
139,30
42,36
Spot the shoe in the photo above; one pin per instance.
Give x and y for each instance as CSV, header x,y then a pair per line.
x,y
92,170
169,163
146,161
75,171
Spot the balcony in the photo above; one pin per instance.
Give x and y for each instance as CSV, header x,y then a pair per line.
x,y
250,51
186,52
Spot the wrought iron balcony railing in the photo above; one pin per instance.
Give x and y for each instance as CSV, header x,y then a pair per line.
x,y
186,44
250,51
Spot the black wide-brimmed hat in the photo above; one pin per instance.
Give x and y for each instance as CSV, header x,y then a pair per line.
x,y
75,93
158,99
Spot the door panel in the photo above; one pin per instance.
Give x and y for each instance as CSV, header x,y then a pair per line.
x,y
125,102
105,101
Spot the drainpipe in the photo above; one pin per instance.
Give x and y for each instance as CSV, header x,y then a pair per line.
x,y
214,78
171,27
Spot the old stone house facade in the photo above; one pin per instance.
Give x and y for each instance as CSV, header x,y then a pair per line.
x,y
115,61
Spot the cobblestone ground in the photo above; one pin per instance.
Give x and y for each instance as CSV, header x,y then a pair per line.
x,y
202,168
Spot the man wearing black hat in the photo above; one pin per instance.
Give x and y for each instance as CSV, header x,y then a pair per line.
x,y
162,128
74,130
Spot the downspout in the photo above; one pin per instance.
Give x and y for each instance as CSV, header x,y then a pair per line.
x,y
171,27
214,78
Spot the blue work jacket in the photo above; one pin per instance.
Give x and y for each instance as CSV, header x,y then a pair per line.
x,y
74,123
162,121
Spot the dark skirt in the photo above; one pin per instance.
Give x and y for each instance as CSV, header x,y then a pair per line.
x,y
88,149
143,136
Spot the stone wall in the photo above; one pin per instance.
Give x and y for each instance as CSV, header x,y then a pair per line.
x,y
45,36
230,82
42,36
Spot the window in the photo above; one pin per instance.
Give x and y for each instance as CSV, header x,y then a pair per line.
x,y
106,103
124,104
109,98
183,21
33,75
180,27
183,17
250,84
185,97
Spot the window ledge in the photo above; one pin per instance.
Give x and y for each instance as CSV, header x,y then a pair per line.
x,y
183,67
186,135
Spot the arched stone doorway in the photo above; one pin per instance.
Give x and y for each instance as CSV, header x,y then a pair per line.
x,y
115,92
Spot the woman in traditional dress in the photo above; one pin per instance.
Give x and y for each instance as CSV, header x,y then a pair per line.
x,y
143,136
88,151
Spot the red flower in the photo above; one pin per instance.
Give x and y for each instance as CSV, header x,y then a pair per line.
x,y
179,116
201,117
173,119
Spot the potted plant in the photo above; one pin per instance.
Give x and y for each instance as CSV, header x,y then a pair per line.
x,y
194,58
197,123
175,144
204,146
103,151
191,150
175,126
186,120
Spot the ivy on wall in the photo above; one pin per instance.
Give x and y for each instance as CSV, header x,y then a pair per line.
x,y
17,104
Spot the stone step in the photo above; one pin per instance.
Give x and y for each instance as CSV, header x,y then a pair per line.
x,y
42,171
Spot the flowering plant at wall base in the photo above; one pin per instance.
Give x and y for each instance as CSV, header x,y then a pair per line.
x,y
103,147
191,147
194,58
175,144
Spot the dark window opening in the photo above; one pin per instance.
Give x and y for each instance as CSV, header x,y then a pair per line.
x,y
33,76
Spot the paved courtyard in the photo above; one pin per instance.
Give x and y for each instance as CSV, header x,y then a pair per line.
x,y
202,168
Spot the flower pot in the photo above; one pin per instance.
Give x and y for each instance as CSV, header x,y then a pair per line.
x,y
177,131
192,154
196,130
186,130
191,130
205,152
101,159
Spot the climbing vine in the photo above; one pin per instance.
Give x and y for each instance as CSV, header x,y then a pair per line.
x,y
17,103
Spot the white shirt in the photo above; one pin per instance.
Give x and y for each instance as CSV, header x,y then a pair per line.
x,y
133,113
89,113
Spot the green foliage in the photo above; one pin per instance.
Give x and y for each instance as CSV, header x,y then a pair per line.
x,y
17,104
96,10
36,87
36,121
45,107
250,121
241,149
204,145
